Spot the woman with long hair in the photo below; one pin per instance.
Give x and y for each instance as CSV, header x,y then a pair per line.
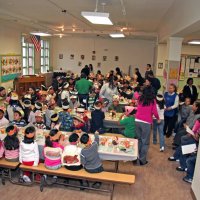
x,y
109,89
144,118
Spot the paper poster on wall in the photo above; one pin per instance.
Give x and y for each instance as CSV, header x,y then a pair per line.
x,y
104,58
11,67
60,56
173,74
72,57
82,57
98,64
93,57
116,58
79,63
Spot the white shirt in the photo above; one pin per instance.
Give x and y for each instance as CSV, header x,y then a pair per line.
x,y
29,152
65,95
72,151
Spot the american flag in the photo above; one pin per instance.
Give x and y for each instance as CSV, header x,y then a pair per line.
x,y
36,41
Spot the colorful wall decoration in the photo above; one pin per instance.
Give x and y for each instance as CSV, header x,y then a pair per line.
x,y
11,67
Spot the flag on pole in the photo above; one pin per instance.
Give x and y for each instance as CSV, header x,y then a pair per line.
x,y
36,41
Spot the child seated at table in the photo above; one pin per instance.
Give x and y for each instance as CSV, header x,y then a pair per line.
x,y
55,123
18,118
38,106
39,120
71,154
74,102
28,151
79,124
50,110
128,121
11,144
1,149
53,150
65,119
115,107
90,157
97,117
3,121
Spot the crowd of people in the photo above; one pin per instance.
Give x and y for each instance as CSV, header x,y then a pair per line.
x,y
51,108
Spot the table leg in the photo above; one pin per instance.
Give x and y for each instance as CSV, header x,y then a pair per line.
x,y
116,166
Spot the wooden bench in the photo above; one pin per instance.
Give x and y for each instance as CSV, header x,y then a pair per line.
x,y
9,166
106,177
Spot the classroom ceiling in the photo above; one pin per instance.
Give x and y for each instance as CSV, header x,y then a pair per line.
x,y
141,18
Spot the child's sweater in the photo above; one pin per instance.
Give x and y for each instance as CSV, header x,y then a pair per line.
x,y
90,157
53,155
71,155
11,154
29,152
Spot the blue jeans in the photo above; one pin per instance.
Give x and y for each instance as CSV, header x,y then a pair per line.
x,y
185,140
159,128
190,162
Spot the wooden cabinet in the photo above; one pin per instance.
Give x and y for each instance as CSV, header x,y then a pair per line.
x,y
21,84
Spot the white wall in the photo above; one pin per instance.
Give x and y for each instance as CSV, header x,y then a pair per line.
x,y
10,43
130,52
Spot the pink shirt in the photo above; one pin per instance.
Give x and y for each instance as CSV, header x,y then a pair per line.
x,y
145,113
52,160
196,127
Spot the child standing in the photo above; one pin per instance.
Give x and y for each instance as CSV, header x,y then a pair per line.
x,y
159,124
65,118
97,117
55,124
53,150
11,144
71,155
90,157
28,152
128,122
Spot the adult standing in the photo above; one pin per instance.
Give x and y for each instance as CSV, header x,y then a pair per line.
x,y
83,87
109,89
155,82
143,119
149,70
140,79
170,114
118,72
190,91
86,70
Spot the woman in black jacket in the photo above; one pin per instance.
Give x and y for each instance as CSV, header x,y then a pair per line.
x,y
190,91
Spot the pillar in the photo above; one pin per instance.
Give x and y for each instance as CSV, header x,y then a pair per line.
x,y
172,62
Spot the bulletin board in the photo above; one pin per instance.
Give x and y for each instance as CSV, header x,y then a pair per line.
x,y
189,66
11,67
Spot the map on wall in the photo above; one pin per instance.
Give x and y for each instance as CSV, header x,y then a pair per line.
x,y
11,67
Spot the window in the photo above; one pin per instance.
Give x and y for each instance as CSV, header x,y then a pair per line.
x,y
44,56
28,63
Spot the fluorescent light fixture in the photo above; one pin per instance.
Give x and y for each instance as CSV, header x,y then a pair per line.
x,y
194,42
40,34
117,35
97,18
